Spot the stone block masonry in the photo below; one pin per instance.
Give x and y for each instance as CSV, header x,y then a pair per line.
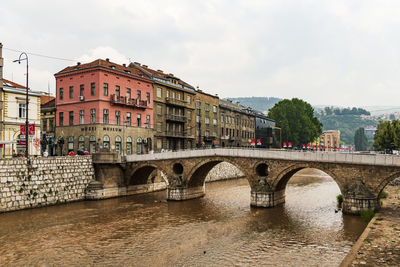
x,y
45,181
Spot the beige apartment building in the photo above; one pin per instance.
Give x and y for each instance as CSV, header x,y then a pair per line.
x,y
330,140
237,124
207,119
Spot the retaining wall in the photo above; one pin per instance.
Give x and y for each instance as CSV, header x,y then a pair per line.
x,y
45,181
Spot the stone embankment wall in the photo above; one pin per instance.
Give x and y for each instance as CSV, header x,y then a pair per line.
x,y
45,181
223,171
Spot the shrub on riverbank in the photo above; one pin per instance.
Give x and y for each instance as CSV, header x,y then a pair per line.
x,y
367,215
339,199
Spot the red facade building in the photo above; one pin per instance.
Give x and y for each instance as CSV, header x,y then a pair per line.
x,y
102,104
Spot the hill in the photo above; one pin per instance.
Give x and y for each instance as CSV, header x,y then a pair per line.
x,y
259,103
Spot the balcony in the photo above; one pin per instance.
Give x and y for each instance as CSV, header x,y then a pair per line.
x,y
179,118
176,134
176,102
130,102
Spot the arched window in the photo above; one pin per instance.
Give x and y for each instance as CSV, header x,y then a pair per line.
x,y
70,143
129,145
106,142
118,144
92,144
81,143
139,145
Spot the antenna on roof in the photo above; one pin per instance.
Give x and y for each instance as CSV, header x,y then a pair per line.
x,y
48,87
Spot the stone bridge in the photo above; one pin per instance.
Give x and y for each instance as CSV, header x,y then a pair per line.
x,y
360,177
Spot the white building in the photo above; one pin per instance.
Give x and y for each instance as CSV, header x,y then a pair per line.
x,y
13,97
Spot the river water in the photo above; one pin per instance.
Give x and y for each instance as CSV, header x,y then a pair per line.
x,y
220,229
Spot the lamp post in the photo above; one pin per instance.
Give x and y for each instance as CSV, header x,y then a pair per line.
x,y
27,101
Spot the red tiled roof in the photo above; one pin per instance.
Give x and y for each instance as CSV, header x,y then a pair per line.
x,y
13,84
104,63
158,73
49,104
46,98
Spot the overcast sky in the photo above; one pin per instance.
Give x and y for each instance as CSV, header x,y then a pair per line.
x,y
325,52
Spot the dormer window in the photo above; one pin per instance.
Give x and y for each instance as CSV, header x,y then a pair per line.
x,y
112,67
127,71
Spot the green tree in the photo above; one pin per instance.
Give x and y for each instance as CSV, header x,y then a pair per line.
x,y
387,135
296,119
360,140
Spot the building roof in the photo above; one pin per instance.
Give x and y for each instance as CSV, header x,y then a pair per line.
x,y
160,76
12,84
104,64
46,98
49,104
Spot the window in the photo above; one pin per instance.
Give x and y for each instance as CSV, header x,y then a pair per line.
x,y
159,126
198,104
61,93
81,143
117,91
139,145
189,99
148,121
70,143
82,117
207,133
71,92
61,118
71,118
44,125
139,94
198,118
92,89
51,125
173,95
105,116
222,118
106,142
215,134
207,120
159,92
207,107
22,110
105,87
159,110
139,120
117,117
148,98
128,93
214,121
189,115
128,119
118,141
129,145
93,115
82,90
92,144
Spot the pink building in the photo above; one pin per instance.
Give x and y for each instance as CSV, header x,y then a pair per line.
x,y
102,104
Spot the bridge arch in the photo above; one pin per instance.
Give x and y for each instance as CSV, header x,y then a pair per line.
x,y
385,182
198,174
144,173
285,175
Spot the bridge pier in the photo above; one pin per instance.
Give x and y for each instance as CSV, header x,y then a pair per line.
x,y
354,205
185,193
267,199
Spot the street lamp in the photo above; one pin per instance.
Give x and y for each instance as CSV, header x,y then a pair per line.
x,y
27,101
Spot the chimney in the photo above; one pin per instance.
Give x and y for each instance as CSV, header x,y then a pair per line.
x,y
136,63
78,64
107,59
144,66
171,75
160,71
124,65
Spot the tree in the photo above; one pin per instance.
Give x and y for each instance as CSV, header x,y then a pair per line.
x,y
387,135
296,119
360,140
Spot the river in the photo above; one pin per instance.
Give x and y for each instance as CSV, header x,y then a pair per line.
x,y
220,229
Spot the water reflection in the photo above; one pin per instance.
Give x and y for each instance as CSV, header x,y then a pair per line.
x,y
218,230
